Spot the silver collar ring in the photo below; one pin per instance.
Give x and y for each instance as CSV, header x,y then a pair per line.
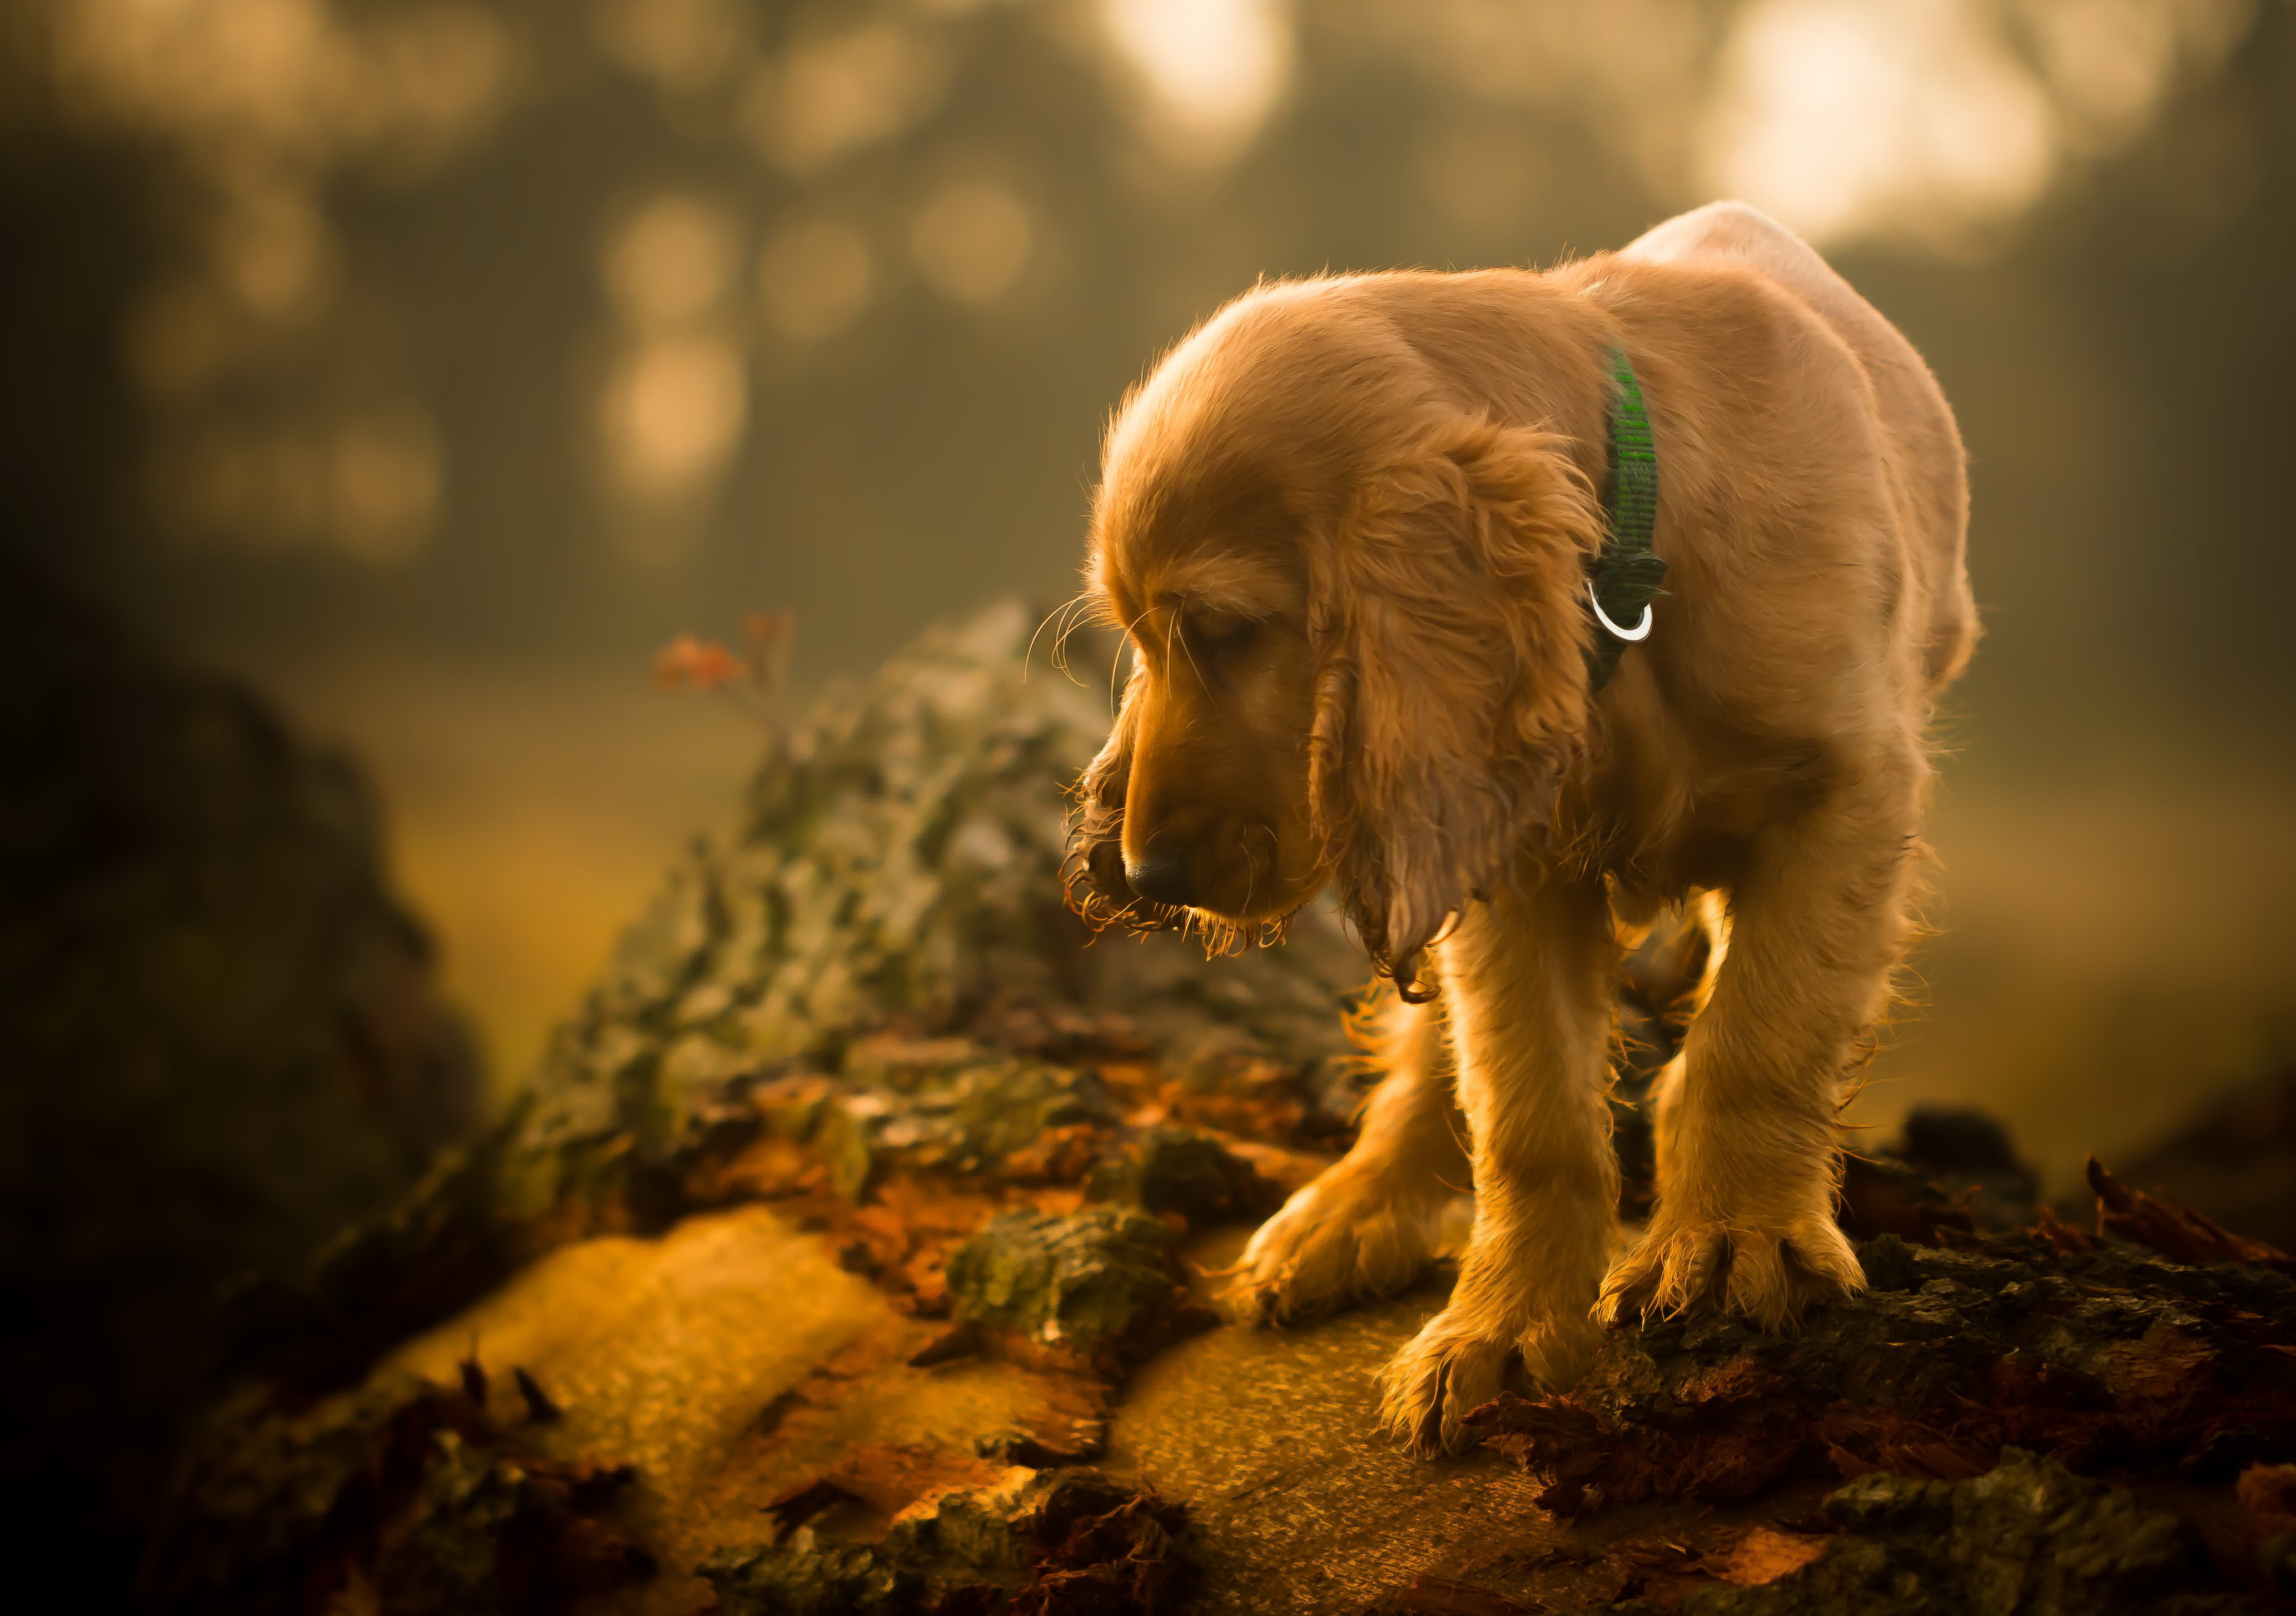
x,y
1640,631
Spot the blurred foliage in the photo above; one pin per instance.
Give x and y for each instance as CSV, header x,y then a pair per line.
x,y
552,327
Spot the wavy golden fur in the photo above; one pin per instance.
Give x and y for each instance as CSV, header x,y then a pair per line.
x,y
1346,525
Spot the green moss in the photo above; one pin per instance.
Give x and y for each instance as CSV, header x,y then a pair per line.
x,y
1104,1545
1082,1282
968,1114
808,1579
1171,1169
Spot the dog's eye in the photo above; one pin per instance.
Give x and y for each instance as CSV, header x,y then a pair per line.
x,y
1209,634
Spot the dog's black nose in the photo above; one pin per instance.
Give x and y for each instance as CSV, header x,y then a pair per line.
x,y
1161,877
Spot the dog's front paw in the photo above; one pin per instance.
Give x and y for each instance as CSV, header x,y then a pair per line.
x,y
1459,1362
1346,1236
1771,1275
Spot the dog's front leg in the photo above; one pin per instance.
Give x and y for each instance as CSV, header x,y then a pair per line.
x,y
1749,1141
1529,984
1368,1224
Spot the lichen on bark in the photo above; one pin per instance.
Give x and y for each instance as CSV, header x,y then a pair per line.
x,y
1043,1545
1084,1283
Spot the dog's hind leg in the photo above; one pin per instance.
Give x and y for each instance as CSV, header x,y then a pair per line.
x,y
1367,1225
1748,1153
1530,979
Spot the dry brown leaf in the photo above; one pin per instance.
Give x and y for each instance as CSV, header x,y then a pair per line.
x,y
2176,1231
1764,1555
890,1479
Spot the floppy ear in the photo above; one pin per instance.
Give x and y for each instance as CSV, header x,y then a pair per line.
x,y
1451,685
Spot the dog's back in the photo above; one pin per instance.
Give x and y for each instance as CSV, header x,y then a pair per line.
x,y
1913,407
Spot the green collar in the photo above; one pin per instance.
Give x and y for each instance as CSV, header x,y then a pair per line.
x,y
1622,579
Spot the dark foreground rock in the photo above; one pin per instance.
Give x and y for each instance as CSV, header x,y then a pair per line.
x,y
860,1247
221,1040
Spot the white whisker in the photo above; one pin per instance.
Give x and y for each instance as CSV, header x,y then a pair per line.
x,y
1029,657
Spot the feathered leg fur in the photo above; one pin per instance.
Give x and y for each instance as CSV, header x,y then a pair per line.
x,y
1748,1133
1529,984
1368,1225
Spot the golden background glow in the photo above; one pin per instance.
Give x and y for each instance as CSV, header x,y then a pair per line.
x,y
474,349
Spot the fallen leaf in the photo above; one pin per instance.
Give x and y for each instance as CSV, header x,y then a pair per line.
x,y
2176,1231
1765,1555
704,664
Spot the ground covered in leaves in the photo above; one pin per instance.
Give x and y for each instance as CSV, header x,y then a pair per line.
x,y
856,1251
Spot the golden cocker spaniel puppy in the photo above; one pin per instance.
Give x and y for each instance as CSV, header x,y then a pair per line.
x,y
1348,527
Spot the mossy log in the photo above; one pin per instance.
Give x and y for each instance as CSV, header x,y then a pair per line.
x,y
858,1249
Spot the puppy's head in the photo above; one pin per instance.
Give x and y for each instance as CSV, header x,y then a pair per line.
x,y
1358,653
